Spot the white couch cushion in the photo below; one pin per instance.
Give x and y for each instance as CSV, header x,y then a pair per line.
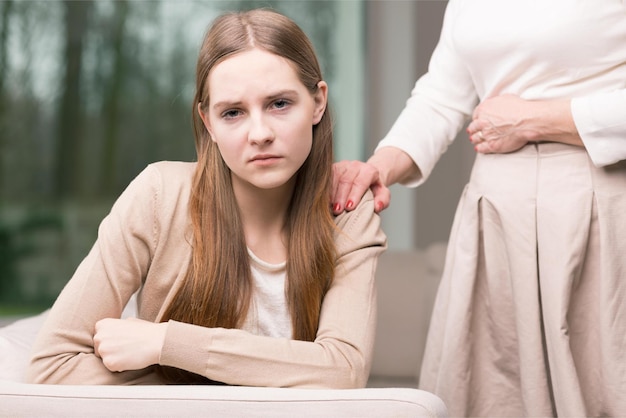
x,y
16,339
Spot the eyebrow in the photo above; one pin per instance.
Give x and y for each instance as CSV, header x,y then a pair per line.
x,y
273,96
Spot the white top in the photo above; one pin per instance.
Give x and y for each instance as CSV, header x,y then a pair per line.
x,y
536,49
268,314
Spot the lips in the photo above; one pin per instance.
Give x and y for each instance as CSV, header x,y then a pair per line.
x,y
264,158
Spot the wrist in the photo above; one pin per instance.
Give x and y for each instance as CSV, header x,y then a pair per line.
x,y
552,121
160,330
378,162
393,165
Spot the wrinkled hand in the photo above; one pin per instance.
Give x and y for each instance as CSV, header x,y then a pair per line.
x,y
499,124
128,344
351,179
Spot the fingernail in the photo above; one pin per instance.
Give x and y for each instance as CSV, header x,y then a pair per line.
x,y
337,207
379,206
349,204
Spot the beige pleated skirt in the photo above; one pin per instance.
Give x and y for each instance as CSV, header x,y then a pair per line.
x,y
530,317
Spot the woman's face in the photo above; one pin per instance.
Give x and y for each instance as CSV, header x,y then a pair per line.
x,y
261,117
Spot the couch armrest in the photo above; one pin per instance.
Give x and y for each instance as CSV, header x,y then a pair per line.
x,y
23,399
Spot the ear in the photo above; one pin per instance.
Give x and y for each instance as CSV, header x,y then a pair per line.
x,y
205,120
321,98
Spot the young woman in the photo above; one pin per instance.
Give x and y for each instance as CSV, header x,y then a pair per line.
x,y
243,274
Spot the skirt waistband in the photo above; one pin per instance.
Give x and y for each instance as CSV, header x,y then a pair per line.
x,y
524,170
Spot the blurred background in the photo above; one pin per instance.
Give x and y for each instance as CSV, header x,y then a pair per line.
x,y
93,91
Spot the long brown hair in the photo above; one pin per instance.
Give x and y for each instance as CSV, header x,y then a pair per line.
x,y
217,289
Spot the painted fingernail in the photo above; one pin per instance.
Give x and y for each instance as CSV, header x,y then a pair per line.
x,y
349,204
337,207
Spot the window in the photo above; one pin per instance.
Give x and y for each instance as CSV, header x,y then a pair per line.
x,y
93,91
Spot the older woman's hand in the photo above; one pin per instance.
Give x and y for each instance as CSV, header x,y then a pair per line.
x,y
351,179
506,123
503,124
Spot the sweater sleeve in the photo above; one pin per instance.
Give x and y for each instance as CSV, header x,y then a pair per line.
x,y
100,288
601,123
440,103
340,356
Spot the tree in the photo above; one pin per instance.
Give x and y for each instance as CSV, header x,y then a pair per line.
x,y
5,13
68,150
112,99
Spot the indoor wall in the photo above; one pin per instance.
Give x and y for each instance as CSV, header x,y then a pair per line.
x,y
401,36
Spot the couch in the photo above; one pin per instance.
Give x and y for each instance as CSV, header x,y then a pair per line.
x,y
407,283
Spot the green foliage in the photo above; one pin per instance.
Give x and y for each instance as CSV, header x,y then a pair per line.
x,y
19,241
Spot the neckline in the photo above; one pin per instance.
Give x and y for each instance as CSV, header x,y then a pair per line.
x,y
266,265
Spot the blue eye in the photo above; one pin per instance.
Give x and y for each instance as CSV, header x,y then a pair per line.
x,y
281,103
231,114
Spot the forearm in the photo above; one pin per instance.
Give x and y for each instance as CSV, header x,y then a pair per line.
x,y
551,120
237,357
83,369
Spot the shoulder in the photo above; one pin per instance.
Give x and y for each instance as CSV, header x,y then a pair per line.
x,y
163,185
171,172
363,212
360,227
165,177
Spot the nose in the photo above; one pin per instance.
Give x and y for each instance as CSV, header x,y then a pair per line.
x,y
260,131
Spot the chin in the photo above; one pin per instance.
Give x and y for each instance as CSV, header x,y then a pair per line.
x,y
273,184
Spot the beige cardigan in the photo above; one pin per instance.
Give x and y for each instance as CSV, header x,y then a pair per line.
x,y
143,244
